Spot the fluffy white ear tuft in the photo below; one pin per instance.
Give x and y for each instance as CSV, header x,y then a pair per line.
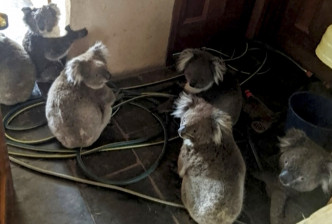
x,y
219,69
72,71
223,123
293,137
327,183
182,104
185,56
100,49
55,8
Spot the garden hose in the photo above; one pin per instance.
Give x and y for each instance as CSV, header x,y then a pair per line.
x,y
93,183
17,111
141,176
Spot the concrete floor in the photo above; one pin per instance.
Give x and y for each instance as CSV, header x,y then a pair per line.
x,y
48,200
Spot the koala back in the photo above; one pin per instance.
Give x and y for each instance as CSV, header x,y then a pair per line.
x,y
79,102
17,72
77,114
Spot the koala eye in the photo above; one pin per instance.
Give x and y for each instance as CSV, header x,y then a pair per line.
x,y
302,178
286,162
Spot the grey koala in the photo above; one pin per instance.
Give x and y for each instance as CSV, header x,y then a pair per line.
x,y
17,72
79,103
210,162
304,167
206,76
46,52
304,164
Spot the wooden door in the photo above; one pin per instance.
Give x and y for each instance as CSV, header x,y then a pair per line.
x,y
297,27
196,22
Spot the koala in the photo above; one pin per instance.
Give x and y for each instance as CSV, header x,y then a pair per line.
x,y
304,167
79,103
210,163
46,52
207,78
17,72
304,164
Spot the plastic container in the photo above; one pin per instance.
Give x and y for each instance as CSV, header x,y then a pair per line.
x,y
324,48
313,114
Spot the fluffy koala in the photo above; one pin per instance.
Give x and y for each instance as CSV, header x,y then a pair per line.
x,y
46,52
79,103
17,72
304,167
304,164
210,162
206,76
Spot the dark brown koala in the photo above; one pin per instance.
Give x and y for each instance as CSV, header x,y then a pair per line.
x,y
47,52
210,162
206,76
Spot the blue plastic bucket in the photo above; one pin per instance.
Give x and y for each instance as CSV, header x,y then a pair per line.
x,y
313,114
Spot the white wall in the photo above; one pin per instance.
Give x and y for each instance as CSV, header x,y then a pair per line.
x,y
135,31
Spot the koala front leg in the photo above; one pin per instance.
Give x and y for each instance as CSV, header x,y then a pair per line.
x,y
181,164
57,48
277,209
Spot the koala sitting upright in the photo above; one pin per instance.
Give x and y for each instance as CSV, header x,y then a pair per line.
x,y
46,52
206,76
210,162
78,105
17,72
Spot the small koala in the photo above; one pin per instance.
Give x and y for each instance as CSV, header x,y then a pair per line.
x,y
304,167
210,162
17,72
79,103
206,76
46,52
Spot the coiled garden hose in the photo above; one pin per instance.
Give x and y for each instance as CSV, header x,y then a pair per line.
x,y
141,176
70,153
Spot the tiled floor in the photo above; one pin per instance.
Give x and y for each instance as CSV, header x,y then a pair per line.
x,y
48,200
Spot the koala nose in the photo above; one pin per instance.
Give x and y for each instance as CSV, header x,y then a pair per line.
x,y
107,75
193,83
285,177
181,130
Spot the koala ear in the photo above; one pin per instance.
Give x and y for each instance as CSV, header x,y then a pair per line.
x,y
218,68
99,51
182,104
55,8
293,137
184,59
76,70
327,180
26,10
222,122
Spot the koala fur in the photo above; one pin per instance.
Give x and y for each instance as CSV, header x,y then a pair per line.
x,y
304,164
17,72
210,162
304,167
78,105
206,76
44,51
